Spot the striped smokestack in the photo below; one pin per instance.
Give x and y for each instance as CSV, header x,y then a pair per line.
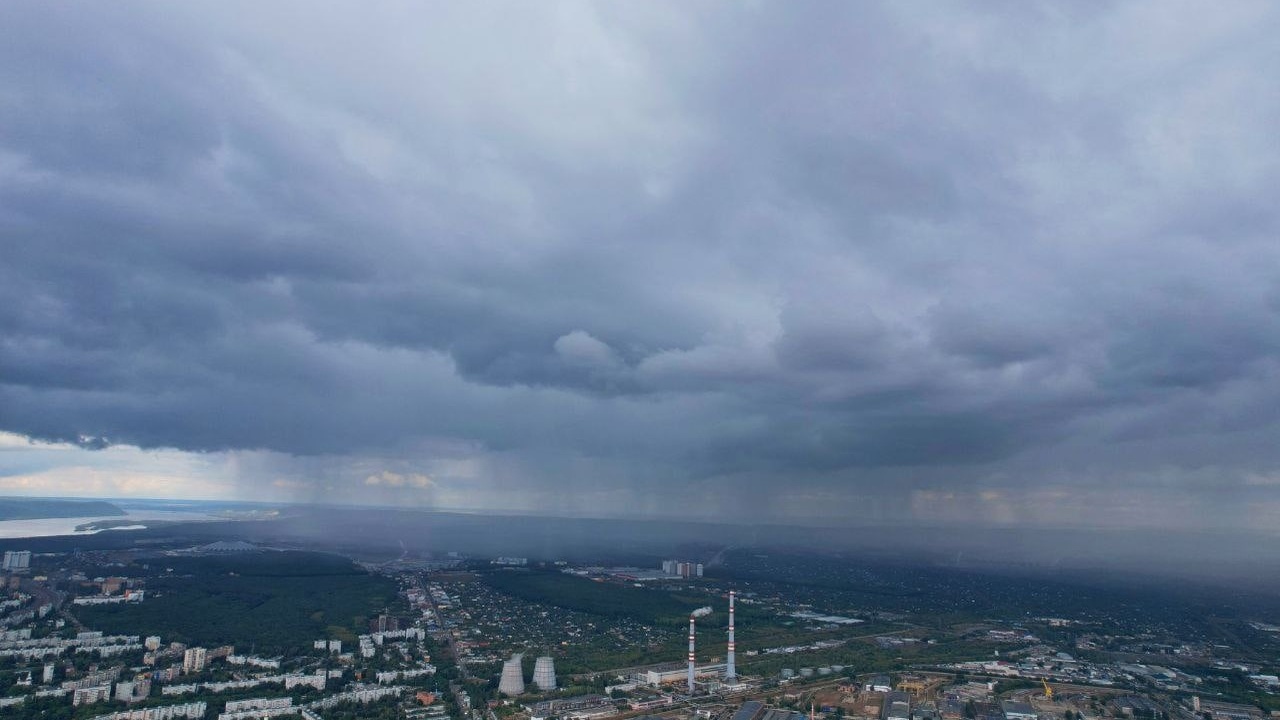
x,y
730,672
690,654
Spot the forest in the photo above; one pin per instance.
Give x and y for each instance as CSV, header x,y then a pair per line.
x,y
272,603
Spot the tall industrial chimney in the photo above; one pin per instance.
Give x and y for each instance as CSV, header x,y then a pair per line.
x,y
730,672
690,654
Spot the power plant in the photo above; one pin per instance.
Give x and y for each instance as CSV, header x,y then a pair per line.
x,y
730,672
544,673
512,682
711,677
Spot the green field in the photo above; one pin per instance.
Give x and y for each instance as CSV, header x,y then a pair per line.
x,y
276,603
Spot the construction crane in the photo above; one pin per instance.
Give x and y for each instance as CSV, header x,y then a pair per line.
x,y
1048,691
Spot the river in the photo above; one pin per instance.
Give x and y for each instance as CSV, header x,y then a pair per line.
x,y
138,519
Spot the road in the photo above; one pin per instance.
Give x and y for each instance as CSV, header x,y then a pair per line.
x,y
45,595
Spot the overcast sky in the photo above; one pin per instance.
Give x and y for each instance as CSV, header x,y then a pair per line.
x,y
926,262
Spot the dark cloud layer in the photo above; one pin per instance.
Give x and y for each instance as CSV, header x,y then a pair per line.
x,y
856,251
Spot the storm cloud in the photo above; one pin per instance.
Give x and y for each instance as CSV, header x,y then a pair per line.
x,y
779,258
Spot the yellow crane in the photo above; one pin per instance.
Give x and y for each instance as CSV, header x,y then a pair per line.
x,y
1048,691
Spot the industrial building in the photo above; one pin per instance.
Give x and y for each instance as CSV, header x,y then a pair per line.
x,y
897,706
753,710
581,707
879,683
1014,710
1229,711
750,710
675,672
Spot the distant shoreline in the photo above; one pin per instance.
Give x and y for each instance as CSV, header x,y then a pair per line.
x,y
119,524
86,525
44,509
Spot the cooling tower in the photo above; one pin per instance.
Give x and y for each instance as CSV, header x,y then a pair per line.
x,y
512,682
544,673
